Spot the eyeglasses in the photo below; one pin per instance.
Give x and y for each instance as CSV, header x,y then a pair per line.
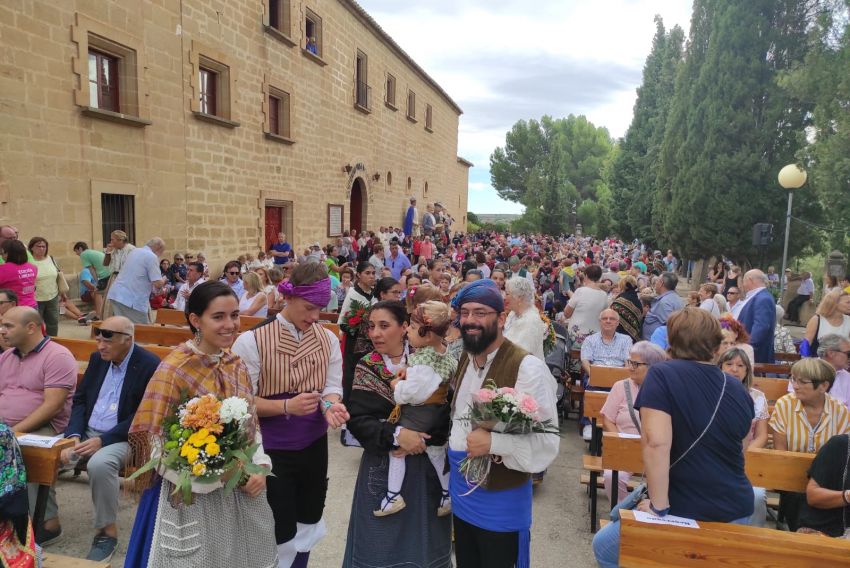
x,y
635,364
233,273
799,381
476,314
108,333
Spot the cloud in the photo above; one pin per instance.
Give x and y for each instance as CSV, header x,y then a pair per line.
x,y
479,186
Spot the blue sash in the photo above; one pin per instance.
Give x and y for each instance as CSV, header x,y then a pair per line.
x,y
497,511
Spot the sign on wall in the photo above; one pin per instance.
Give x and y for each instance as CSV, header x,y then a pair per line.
x,y
335,215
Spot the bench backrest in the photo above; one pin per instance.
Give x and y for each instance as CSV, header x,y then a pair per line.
x,y
622,454
593,403
83,348
787,357
177,318
605,377
157,334
762,369
723,544
773,389
328,316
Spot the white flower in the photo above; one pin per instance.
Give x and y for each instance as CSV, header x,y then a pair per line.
x,y
234,409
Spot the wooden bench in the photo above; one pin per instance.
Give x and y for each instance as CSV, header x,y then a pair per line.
x,y
788,357
178,319
773,389
645,545
764,369
60,561
593,403
332,317
42,465
605,377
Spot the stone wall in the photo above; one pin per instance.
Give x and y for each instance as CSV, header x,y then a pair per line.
x,y
203,185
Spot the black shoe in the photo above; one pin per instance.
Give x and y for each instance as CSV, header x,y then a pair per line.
x,y
102,548
47,537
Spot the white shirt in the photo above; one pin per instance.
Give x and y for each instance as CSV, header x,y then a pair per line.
x,y
521,452
739,305
710,306
527,331
184,293
246,347
421,381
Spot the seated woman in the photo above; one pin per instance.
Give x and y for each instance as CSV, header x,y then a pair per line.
x,y
706,299
783,341
827,505
680,401
736,363
373,541
803,420
735,335
831,316
618,413
253,301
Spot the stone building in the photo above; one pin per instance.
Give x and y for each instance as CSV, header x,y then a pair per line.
x,y
215,123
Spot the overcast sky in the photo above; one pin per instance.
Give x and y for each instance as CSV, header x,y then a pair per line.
x,y
506,60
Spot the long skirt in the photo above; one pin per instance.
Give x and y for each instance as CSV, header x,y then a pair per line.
x,y
214,532
415,537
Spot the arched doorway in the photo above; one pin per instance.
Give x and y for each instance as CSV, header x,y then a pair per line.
x,y
357,206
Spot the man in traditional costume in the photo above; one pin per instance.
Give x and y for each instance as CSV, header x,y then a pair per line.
x,y
295,367
411,220
493,523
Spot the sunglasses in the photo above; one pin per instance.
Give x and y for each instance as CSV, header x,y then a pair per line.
x,y
108,333
233,273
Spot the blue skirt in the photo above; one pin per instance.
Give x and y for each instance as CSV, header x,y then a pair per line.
x,y
139,548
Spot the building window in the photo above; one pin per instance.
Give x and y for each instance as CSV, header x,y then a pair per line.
x,y
279,113
118,212
362,92
409,184
207,89
429,118
389,178
390,100
426,189
313,33
103,81
411,106
279,16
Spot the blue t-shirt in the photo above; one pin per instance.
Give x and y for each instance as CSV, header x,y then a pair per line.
x,y
709,484
285,247
85,276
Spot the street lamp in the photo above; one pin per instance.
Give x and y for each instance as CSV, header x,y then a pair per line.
x,y
790,177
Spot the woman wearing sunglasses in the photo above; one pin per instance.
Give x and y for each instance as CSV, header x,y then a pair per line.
x,y
618,413
233,277
805,419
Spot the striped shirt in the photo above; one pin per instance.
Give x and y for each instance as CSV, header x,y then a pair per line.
x,y
789,419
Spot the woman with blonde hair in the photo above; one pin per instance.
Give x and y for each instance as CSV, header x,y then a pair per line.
x,y
706,299
254,301
831,317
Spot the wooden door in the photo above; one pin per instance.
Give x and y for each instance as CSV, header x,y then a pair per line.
x,y
274,225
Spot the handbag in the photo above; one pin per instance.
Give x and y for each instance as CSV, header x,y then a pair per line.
x,y
811,349
61,282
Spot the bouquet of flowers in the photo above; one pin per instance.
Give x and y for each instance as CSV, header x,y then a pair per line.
x,y
551,338
205,442
354,318
505,411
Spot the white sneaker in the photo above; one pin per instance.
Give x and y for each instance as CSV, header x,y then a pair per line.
x,y
587,433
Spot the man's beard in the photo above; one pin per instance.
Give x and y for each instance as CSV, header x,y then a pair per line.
x,y
478,344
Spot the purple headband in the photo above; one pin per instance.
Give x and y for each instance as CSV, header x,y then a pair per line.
x,y
318,293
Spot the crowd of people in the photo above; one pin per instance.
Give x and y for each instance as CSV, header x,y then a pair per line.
x,y
428,318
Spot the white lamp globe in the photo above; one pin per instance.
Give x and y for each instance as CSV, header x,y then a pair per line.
x,y
792,176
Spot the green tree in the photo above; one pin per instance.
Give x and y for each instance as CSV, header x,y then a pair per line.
x,y
472,218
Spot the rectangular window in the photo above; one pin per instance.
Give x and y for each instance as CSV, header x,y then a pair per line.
x,y
279,113
390,90
313,33
411,105
208,90
279,15
118,212
103,81
362,91
429,117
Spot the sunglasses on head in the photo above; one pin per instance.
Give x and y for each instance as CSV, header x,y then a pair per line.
x,y
108,333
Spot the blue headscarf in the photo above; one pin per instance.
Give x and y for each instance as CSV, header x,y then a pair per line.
x,y
481,292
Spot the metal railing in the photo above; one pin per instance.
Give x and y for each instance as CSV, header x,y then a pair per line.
x,y
363,96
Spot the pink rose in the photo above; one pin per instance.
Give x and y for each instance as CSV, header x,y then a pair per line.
x,y
507,390
485,395
376,357
528,405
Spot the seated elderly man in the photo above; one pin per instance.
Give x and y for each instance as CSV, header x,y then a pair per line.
x,y
103,409
606,348
835,350
37,381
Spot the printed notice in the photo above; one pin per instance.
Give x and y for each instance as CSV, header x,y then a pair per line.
x,y
666,520
37,441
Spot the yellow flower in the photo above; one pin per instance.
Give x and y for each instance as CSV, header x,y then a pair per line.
x,y
199,438
199,469
210,439
190,453
212,449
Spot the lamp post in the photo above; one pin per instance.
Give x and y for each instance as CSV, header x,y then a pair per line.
x,y
790,177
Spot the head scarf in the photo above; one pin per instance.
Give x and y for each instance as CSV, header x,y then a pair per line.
x,y
318,293
481,292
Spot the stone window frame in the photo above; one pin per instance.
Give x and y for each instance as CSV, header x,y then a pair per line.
x,y
128,49
274,88
216,61
429,118
319,27
390,88
283,30
362,90
411,106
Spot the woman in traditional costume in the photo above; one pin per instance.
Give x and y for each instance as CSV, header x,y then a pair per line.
x,y
17,538
415,537
216,530
356,341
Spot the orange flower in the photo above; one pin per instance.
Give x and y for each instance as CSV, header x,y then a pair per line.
x,y
203,413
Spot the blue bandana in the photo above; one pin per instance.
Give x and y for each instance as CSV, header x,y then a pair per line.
x,y
481,292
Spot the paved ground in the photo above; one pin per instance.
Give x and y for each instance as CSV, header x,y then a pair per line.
x,y
560,535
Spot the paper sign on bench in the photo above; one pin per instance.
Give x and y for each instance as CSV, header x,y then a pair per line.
x,y
37,441
629,436
666,520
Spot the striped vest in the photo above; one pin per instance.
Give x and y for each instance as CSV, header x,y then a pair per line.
x,y
287,366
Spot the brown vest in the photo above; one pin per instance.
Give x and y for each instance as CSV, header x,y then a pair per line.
x,y
503,371
290,366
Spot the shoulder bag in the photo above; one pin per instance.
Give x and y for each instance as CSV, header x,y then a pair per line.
x,y
61,282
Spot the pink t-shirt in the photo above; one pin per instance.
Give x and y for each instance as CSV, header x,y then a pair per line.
x,y
22,382
20,279
616,409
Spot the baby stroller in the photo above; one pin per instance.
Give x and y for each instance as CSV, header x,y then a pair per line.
x,y
557,360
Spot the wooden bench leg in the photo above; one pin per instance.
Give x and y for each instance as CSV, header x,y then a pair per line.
x,y
615,492
40,508
593,495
